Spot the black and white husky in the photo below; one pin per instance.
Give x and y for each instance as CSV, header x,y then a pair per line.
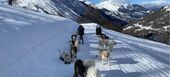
x,y
79,69
91,71
85,69
73,51
111,44
103,43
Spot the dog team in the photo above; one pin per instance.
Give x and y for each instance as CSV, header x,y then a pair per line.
x,y
76,39
87,68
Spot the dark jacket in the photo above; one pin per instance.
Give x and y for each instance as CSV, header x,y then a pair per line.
x,y
98,31
81,30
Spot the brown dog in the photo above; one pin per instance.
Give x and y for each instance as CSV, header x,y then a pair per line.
x,y
104,56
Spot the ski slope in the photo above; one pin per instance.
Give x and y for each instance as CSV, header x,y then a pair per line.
x,y
29,44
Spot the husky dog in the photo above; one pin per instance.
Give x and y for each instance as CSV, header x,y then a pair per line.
x,y
65,57
111,44
79,69
73,51
104,56
85,69
72,42
88,63
77,43
101,43
73,39
92,72
106,43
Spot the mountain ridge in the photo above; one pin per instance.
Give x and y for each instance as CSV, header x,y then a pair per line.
x,y
154,26
124,11
73,9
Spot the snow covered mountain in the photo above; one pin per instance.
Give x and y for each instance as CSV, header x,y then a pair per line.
x,y
155,26
73,9
29,43
155,4
64,8
123,9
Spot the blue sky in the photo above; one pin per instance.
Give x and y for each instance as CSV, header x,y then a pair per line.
x,y
132,1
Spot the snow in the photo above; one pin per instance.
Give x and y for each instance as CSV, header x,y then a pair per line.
x,y
167,8
140,27
113,5
87,2
129,27
110,5
132,57
29,44
166,27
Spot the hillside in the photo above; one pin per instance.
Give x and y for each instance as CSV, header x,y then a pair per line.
x,y
123,10
155,26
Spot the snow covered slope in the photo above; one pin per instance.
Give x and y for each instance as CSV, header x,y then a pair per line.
x,y
122,9
29,44
131,57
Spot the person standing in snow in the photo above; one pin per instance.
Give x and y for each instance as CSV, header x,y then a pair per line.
x,y
98,30
10,2
81,33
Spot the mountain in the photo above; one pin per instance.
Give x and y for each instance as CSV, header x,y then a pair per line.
x,y
155,26
155,4
123,10
73,9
